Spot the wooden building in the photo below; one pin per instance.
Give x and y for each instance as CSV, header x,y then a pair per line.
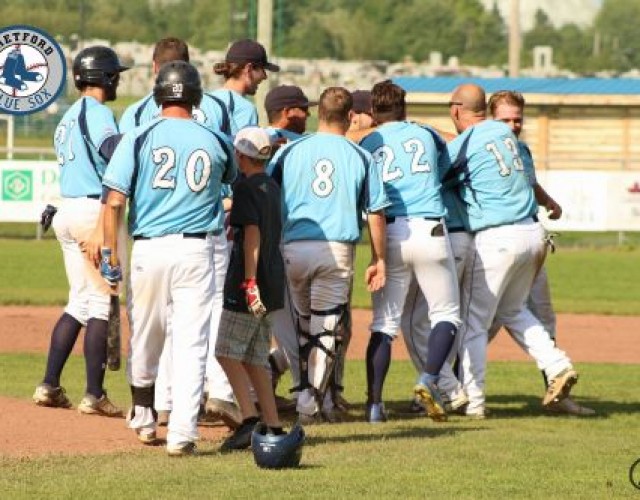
x,y
584,123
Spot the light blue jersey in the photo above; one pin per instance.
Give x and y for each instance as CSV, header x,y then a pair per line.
x,y
276,134
172,169
77,140
240,111
493,184
213,114
407,156
138,113
527,160
326,181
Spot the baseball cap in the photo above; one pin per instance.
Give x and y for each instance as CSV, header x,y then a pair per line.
x,y
250,51
253,142
361,101
286,96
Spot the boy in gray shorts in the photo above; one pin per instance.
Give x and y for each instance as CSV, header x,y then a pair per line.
x,y
254,286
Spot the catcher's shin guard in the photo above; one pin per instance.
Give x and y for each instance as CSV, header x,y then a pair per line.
x,y
332,327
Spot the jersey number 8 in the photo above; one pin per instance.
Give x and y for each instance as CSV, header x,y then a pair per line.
x,y
166,158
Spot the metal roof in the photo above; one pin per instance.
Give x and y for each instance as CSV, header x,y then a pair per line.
x,y
603,86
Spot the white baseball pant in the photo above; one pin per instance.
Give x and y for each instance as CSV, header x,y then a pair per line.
x,y
178,271
319,274
89,294
501,271
411,249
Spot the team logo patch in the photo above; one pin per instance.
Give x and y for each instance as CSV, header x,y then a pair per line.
x,y
33,70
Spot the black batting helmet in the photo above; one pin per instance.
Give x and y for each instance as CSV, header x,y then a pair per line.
x,y
98,66
277,452
178,81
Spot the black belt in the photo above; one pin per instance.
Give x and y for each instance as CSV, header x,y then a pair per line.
x,y
392,219
456,230
198,236
94,196
535,218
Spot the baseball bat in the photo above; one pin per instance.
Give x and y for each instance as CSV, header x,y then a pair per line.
x,y
113,333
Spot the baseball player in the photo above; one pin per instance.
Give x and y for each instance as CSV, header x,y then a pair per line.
x,y
508,107
139,113
287,111
327,181
508,243
146,109
254,287
244,68
171,170
228,110
409,158
84,141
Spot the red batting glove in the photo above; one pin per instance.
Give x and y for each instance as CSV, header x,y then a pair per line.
x,y
252,295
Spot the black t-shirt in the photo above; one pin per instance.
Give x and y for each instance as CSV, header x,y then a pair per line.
x,y
256,201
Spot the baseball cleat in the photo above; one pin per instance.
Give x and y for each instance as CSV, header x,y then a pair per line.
x,y
560,386
457,404
182,450
227,411
427,393
568,406
240,439
376,413
305,419
54,397
146,435
90,405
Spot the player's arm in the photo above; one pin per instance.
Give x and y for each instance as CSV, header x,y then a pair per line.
x,y
113,208
545,200
251,248
91,247
375,275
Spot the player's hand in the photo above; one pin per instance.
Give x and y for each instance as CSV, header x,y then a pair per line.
x,y
111,274
375,275
554,211
252,295
92,246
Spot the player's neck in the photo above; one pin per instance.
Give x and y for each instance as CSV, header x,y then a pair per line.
x,y
333,128
176,111
97,93
235,85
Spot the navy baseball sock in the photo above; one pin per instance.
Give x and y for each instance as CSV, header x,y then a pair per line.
x,y
95,355
63,338
440,342
378,360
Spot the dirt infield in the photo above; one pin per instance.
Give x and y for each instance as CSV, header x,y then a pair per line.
x,y
28,431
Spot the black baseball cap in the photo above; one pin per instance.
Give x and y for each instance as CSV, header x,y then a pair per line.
x,y
286,96
361,101
250,51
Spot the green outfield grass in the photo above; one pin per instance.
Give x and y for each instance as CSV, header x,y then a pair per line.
x,y
599,281
517,453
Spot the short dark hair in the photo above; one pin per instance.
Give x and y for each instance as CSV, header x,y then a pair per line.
x,y
388,102
334,105
170,49
273,115
510,97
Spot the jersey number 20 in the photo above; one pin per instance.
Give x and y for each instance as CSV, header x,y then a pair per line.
x,y
166,158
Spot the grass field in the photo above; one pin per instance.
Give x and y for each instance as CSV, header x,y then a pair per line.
x,y
518,453
583,280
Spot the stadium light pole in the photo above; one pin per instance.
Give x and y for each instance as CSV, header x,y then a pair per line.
x,y
265,35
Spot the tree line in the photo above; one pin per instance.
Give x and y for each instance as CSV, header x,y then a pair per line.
x,y
391,30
